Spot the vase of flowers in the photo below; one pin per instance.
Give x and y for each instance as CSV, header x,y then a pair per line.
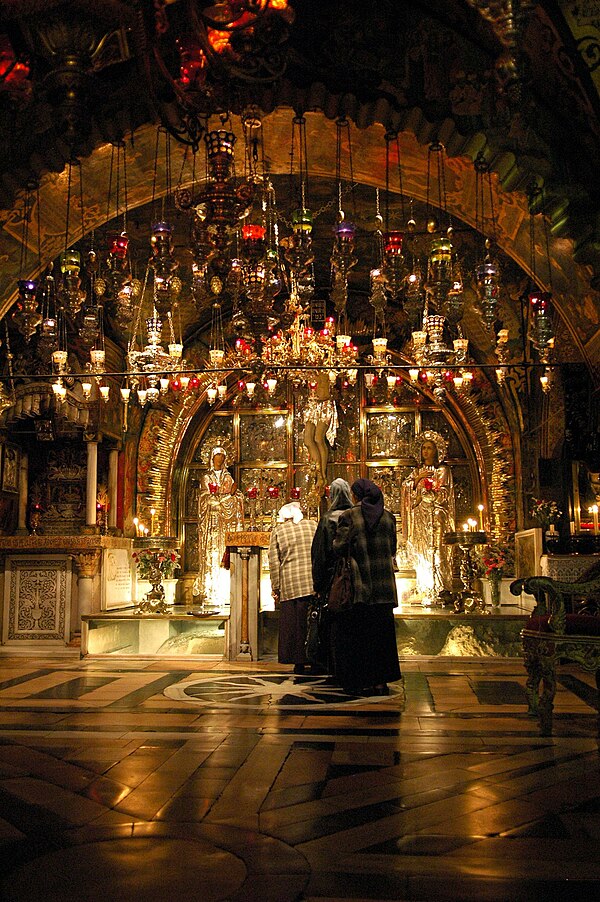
x,y
496,561
546,513
153,565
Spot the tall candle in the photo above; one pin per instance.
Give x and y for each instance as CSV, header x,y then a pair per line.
x,y
152,521
595,516
480,509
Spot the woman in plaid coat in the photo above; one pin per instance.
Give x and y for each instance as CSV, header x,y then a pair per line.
x,y
366,655
291,581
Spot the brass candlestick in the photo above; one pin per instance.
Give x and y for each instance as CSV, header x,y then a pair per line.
x,y
468,600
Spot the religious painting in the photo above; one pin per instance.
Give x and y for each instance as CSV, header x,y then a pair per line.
x,y
528,551
10,469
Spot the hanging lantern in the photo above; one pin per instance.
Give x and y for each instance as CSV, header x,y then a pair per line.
x,y
342,260
27,316
394,267
542,330
70,295
487,277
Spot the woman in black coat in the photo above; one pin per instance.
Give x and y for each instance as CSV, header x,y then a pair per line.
x,y
323,563
366,655
323,557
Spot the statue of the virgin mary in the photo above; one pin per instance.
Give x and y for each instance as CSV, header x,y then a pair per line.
x,y
428,511
220,510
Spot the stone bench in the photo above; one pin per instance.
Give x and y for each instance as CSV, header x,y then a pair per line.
x,y
565,626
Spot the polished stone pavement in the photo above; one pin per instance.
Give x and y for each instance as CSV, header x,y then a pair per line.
x,y
193,779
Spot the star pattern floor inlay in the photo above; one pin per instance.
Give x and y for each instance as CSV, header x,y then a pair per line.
x,y
273,692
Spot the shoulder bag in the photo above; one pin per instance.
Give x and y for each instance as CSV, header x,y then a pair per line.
x,y
341,591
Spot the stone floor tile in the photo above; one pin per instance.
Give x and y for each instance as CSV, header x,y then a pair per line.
x,y
459,798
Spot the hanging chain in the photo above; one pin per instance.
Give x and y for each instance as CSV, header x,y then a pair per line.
x,y
125,198
25,231
546,241
81,198
388,139
68,213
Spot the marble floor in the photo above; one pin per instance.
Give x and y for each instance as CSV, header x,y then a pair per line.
x,y
191,779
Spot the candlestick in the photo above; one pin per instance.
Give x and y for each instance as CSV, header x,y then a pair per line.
x,y
480,509
152,521
594,510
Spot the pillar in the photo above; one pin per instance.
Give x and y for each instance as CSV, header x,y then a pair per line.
x,y
245,653
86,565
91,488
23,494
113,467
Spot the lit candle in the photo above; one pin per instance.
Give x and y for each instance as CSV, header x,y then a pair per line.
x,y
152,521
472,524
594,510
136,523
465,527
480,509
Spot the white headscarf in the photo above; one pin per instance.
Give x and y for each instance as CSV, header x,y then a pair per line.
x,y
290,511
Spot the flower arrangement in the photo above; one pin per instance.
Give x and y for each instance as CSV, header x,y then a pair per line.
x,y
496,561
146,561
544,511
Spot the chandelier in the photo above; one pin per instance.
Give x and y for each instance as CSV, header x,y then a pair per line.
x,y
438,347
268,321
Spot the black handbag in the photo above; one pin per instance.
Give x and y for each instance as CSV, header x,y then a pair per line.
x,y
341,591
313,630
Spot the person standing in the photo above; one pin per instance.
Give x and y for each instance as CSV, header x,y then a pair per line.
x,y
323,562
366,655
291,581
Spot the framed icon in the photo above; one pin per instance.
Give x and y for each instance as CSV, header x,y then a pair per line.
x,y
10,468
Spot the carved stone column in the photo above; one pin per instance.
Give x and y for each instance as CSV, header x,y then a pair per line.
x,y
244,652
113,469
86,566
23,494
245,548
91,488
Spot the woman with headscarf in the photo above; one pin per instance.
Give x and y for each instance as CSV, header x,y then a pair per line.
x,y
220,510
366,655
291,581
323,560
